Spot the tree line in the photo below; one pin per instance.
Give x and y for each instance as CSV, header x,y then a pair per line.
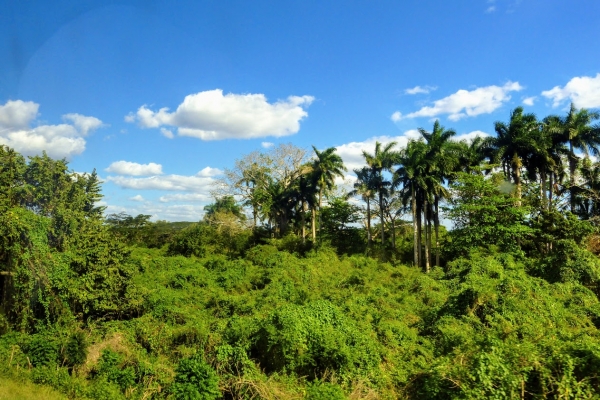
x,y
285,188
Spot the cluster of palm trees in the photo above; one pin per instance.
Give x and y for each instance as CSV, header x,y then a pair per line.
x,y
284,200
542,153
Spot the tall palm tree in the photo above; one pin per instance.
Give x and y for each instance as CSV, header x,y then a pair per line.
x,y
381,160
579,134
305,192
365,187
409,175
514,143
441,156
326,166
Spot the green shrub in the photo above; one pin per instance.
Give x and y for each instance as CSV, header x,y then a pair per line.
x,y
195,380
312,339
75,349
42,350
324,391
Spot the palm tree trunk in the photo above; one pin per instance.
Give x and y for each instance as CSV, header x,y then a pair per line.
x,y
543,193
427,242
303,221
413,201
516,167
320,211
419,234
572,176
551,189
382,218
436,222
314,223
369,239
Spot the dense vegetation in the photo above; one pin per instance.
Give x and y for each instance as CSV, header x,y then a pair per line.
x,y
290,288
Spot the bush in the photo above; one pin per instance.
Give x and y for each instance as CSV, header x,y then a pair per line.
x,y
324,391
312,339
195,380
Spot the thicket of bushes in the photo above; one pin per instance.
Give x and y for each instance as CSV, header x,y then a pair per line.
x,y
213,311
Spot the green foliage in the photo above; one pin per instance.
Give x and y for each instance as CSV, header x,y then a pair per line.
x,y
195,380
42,351
312,339
324,391
484,217
76,349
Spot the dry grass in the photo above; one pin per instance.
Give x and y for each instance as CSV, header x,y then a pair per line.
x,y
17,390
116,343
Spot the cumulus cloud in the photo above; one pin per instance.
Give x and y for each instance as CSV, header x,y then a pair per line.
x,y
158,211
59,141
420,89
466,103
583,91
266,145
137,197
208,171
185,197
135,169
211,115
181,183
470,136
83,124
352,153
528,101
18,114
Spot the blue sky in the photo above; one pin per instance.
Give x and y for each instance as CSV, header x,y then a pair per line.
x,y
160,96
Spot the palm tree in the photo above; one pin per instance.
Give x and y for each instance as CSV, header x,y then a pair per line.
x,y
441,156
325,167
514,143
381,160
580,135
409,175
365,187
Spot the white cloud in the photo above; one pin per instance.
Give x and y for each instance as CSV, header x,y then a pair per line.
x,y
83,124
18,114
210,115
185,197
197,184
466,103
420,89
351,153
171,212
470,136
137,198
528,101
59,141
208,171
131,168
266,145
583,91
490,9
167,133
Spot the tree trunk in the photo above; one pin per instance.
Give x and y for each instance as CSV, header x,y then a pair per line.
x,y
516,167
303,219
413,201
369,239
436,222
543,193
572,165
551,190
320,211
382,218
314,223
419,234
427,240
